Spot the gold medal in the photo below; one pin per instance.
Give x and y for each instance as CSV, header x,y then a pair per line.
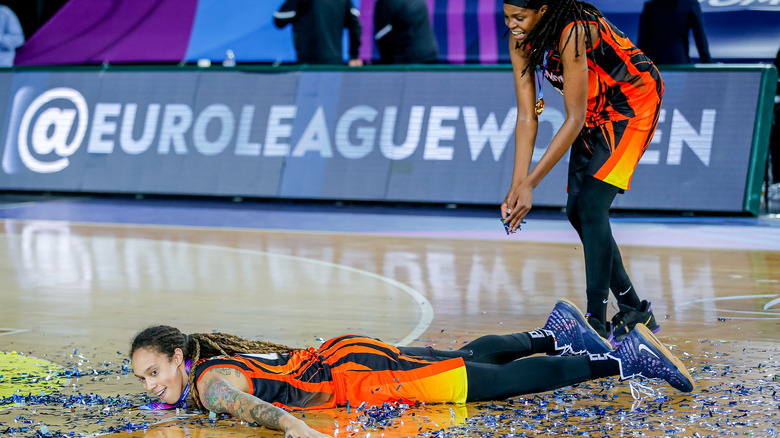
x,y
539,107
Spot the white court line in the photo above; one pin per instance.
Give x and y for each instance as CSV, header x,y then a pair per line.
x,y
770,315
426,309
10,331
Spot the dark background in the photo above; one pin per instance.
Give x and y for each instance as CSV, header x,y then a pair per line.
x,y
33,13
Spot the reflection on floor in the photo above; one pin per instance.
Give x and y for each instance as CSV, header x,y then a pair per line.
x,y
81,275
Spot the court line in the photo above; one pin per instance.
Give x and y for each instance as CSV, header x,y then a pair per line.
x,y
11,331
426,309
771,315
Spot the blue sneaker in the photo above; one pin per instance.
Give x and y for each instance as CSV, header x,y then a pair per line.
x,y
641,354
573,335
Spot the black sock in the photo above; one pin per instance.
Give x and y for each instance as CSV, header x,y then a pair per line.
x,y
597,304
627,296
542,341
602,366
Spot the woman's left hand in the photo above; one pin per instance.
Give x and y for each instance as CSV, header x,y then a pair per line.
x,y
518,204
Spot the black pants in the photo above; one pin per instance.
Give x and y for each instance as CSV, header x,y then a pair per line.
x,y
588,213
499,366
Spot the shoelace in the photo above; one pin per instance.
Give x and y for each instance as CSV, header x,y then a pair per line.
x,y
640,391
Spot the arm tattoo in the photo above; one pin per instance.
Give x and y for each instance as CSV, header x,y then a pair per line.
x,y
228,371
220,396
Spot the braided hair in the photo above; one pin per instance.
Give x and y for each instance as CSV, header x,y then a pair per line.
x,y
547,32
163,339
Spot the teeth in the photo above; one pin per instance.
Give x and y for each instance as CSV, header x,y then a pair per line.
x,y
160,393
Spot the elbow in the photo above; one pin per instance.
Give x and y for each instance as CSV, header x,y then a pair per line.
x,y
576,119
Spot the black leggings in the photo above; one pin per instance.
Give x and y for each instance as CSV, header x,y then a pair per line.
x,y
494,373
588,213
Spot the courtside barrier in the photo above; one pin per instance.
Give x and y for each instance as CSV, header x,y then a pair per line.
x,y
433,134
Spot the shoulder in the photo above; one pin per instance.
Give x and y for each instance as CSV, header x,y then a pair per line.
x,y
574,31
212,371
221,370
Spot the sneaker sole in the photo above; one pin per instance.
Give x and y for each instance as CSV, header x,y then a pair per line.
x,y
647,334
577,314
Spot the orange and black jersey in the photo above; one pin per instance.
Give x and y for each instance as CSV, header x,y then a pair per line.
x,y
296,380
622,81
348,368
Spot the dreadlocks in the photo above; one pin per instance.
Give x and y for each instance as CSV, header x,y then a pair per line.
x,y
165,340
547,31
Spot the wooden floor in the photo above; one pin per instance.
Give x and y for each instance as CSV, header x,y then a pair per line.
x,y
74,293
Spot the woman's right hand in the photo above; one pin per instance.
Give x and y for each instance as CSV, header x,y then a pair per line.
x,y
516,205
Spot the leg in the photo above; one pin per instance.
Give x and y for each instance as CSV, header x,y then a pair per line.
x,y
589,152
533,375
566,332
493,349
616,148
619,283
592,212
641,355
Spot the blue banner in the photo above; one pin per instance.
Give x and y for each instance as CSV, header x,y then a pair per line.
x,y
428,136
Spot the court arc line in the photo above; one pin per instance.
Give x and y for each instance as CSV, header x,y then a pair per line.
x,y
426,309
771,303
771,315
733,297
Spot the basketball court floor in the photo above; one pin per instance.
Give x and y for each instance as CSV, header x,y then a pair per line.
x,y
82,275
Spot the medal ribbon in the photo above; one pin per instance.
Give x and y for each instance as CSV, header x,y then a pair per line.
x,y
539,107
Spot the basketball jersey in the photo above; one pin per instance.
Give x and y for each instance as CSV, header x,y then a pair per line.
x,y
295,380
348,369
622,82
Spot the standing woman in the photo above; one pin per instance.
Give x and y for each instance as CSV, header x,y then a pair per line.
x,y
612,97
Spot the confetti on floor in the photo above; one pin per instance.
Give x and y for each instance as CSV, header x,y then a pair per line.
x,y
738,393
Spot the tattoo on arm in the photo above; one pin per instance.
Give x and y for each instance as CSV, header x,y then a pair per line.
x,y
228,371
220,396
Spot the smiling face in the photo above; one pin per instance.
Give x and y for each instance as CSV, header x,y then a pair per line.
x,y
521,21
163,376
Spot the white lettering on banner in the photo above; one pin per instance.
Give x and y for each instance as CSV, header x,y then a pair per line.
x,y
414,128
101,127
366,134
489,132
315,137
126,141
62,120
177,119
227,123
56,123
699,142
437,132
277,130
243,145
